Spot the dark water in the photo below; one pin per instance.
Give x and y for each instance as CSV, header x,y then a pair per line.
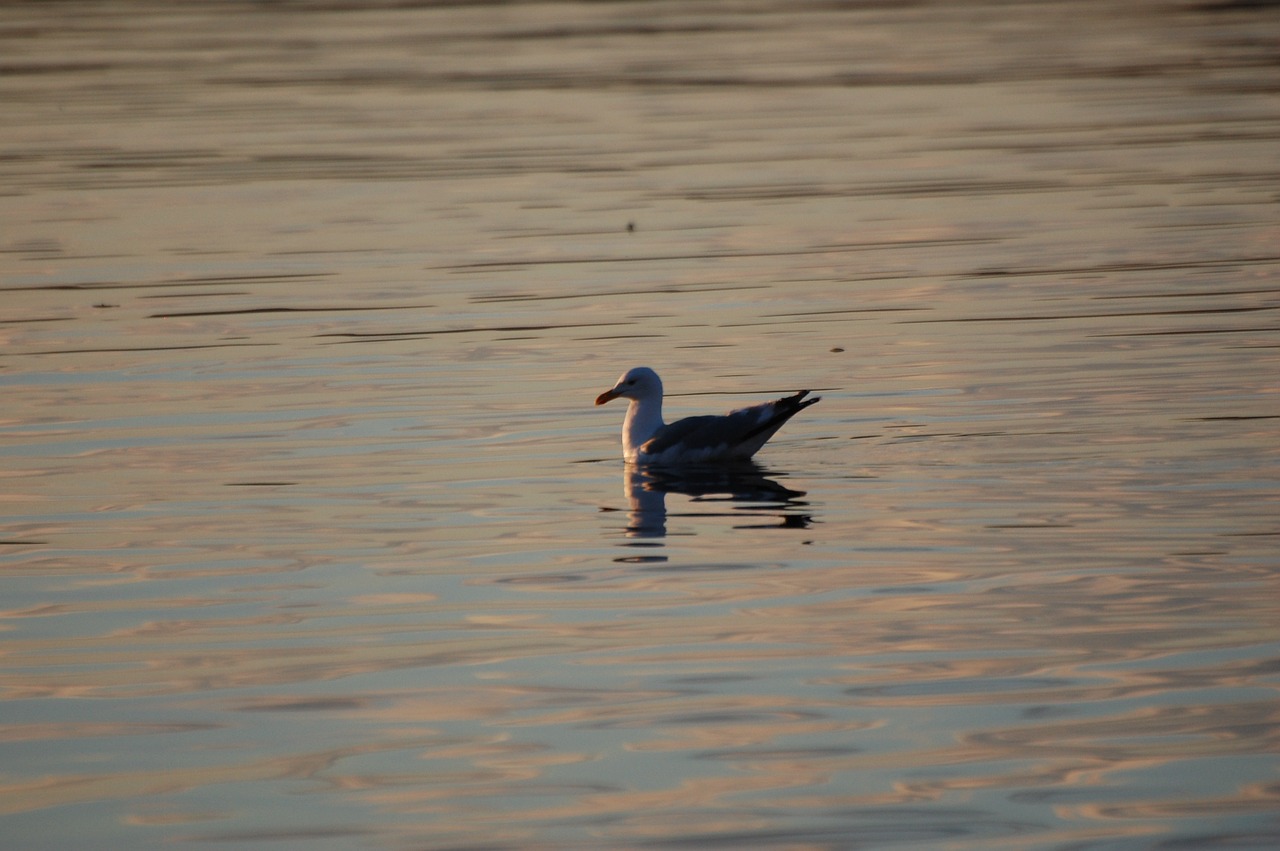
x,y
311,536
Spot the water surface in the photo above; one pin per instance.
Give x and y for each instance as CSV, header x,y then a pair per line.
x,y
311,536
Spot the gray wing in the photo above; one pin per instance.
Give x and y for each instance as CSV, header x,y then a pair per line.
x,y
694,434
736,434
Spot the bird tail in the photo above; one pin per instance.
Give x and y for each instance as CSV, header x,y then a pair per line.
x,y
783,410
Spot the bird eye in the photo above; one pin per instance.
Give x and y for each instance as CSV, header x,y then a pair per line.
x,y
632,381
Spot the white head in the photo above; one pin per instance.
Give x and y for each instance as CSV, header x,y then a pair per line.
x,y
637,383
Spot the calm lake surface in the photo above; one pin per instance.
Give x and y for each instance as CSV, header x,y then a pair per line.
x,y
311,535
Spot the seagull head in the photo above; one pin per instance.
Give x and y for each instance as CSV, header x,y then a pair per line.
x,y
637,383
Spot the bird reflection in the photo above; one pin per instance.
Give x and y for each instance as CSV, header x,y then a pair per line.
x,y
646,490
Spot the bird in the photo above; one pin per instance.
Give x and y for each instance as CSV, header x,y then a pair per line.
x,y
734,436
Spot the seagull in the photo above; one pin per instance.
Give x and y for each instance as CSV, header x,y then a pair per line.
x,y
735,436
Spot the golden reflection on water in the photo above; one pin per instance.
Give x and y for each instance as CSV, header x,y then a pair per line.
x,y
311,533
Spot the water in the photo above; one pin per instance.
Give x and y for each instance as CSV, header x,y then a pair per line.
x,y
313,538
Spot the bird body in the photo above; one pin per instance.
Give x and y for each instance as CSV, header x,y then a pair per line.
x,y
735,436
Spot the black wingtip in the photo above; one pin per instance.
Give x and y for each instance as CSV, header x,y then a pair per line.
x,y
796,400
784,409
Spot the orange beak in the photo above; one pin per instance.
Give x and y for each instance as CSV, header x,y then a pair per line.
x,y
606,396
